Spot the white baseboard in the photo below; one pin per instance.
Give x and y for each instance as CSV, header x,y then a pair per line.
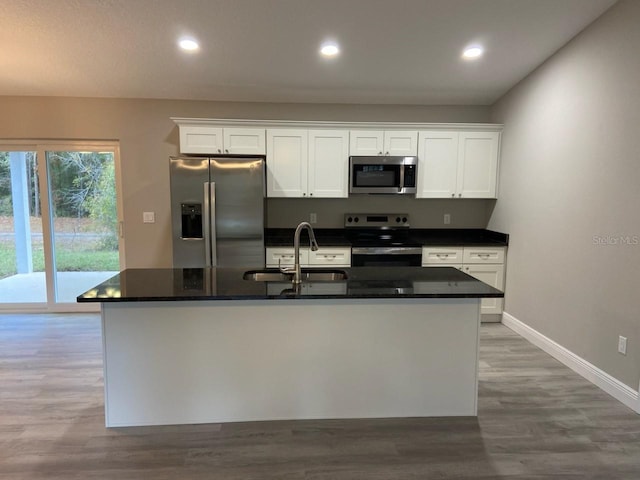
x,y
606,382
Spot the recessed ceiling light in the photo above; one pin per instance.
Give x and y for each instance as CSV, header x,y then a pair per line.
x,y
472,52
188,44
330,49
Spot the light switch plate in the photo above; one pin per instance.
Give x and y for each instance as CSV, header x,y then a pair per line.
x,y
148,217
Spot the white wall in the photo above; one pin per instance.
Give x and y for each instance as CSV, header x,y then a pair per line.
x,y
570,174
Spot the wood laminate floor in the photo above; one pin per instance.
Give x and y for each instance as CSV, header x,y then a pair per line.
x,y
537,419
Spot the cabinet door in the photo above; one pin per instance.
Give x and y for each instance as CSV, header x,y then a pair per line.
x,y
492,275
401,142
478,164
437,164
287,154
366,142
200,139
328,163
244,141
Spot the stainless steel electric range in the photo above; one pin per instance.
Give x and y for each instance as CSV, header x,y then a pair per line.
x,y
381,240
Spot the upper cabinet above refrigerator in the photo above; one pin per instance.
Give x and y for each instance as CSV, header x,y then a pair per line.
x,y
208,140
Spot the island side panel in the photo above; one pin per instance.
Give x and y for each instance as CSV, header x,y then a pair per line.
x,y
223,361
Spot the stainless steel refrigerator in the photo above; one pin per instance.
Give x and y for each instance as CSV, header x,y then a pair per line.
x,y
217,209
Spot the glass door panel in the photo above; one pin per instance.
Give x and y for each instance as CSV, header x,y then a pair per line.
x,y
84,221
22,277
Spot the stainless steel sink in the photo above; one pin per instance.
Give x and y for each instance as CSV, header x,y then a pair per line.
x,y
267,276
271,275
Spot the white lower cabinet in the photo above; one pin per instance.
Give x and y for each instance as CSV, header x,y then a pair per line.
x,y
484,263
492,274
323,257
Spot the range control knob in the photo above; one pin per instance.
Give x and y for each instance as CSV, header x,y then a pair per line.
x,y
350,219
397,219
404,219
356,219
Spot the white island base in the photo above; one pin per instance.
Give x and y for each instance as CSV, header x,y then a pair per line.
x,y
226,361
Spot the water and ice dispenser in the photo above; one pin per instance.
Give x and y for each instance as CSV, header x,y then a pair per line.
x,y
191,220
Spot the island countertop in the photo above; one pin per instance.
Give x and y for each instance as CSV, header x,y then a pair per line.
x,y
187,284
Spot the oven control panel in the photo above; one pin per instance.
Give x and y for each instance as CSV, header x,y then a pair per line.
x,y
371,220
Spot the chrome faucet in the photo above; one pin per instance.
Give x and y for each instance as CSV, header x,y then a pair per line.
x,y
297,271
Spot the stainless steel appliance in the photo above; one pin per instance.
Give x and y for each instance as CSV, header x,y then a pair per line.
x,y
383,174
381,240
217,208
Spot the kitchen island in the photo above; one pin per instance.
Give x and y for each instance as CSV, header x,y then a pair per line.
x,y
207,345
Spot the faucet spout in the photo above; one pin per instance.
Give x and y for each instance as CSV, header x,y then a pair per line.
x,y
297,275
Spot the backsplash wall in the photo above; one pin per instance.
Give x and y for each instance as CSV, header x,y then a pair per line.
x,y
288,212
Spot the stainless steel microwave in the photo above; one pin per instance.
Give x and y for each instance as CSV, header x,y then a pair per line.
x,y
383,174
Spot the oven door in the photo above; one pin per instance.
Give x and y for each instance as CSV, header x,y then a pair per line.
x,y
386,257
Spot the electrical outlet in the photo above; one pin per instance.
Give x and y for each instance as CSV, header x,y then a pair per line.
x,y
447,218
148,217
313,218
622,345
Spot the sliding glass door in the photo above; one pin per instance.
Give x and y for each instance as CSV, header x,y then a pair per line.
x,y
22,274
59,224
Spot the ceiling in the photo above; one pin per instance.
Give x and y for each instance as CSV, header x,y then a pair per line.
x,y
393,51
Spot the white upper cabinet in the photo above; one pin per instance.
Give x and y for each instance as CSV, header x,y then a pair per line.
x,y
209,140
328,169
307,163
457,164
200,139
383,142
437,164
244,141
478,164
401,143
366,142
287,155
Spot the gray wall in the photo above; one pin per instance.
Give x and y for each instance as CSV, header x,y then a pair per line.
x,y
570,187
148,137
424,213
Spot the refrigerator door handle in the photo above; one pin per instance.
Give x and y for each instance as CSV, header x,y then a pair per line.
x,y
214,256
206,226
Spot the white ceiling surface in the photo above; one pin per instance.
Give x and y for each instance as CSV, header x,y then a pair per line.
x,y
394,51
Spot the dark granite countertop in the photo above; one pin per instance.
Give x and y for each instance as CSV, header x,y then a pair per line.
x,y
178,284
338,237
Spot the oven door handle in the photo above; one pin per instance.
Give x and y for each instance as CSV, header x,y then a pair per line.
x,y
386,251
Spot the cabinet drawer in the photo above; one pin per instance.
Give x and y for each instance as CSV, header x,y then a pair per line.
x,y
285,256
441,255
330,256
483,255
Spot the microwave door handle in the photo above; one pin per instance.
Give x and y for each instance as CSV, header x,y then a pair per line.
x,y
401,186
